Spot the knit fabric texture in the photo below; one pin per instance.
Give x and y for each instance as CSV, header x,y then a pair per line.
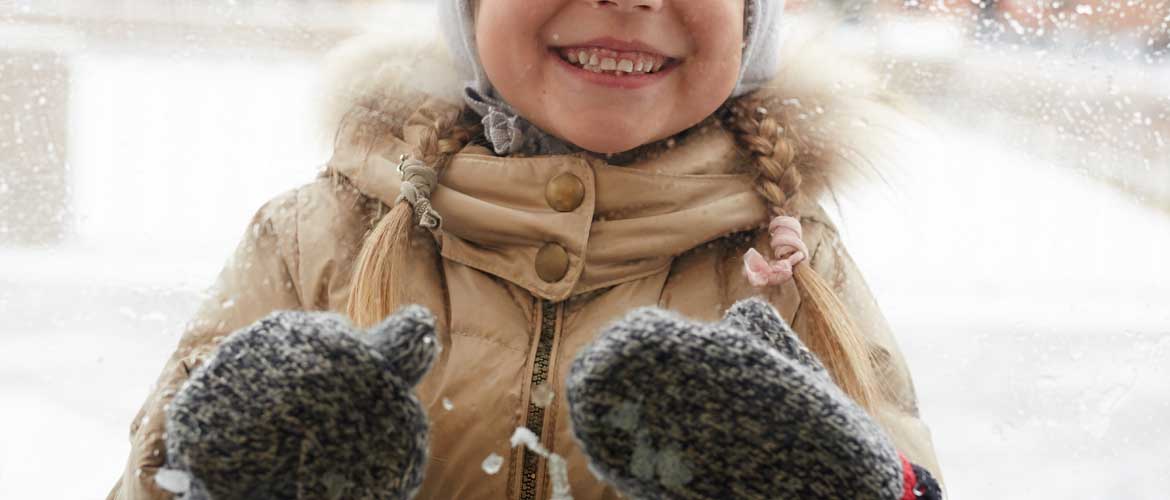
x,y
666,407
927,487
303,405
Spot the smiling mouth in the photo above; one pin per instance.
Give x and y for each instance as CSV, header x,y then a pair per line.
x,y
618,63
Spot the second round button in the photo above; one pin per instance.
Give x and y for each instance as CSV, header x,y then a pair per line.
x,y
552,262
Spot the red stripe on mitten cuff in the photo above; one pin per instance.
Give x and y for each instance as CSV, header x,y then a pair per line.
x,y
909,480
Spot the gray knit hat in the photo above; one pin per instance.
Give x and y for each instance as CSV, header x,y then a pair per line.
x,y
302,405
510,133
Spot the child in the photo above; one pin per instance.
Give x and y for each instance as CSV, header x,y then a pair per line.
x,y
595,157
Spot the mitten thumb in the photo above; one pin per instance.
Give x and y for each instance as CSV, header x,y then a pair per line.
x,y
408,342
758,318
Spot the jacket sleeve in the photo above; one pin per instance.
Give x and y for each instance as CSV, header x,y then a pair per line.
x,y
256,280
897,410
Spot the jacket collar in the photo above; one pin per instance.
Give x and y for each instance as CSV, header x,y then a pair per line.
x,y
632,221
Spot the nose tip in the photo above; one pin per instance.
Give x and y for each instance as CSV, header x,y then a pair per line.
x,y
630,5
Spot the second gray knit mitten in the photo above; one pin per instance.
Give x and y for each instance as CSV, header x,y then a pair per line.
x,y
303,405
670,408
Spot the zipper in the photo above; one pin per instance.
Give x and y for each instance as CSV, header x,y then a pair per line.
x,y
535,423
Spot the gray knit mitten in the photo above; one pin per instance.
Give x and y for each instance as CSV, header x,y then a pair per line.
x,y
668,408
302,405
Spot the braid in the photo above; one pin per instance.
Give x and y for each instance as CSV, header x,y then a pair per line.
x,y
775,151
436,132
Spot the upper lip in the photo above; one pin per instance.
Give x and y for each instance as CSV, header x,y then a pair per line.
x,y
619,45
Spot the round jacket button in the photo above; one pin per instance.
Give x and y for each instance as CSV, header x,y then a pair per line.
x,y
552,262
564,192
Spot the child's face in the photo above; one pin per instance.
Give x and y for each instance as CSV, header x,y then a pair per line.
x,y
530,50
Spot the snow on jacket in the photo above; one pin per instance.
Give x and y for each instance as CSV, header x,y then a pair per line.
x,y
667,231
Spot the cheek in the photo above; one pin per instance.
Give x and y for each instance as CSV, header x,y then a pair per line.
x,y
717,28
507,38
708,79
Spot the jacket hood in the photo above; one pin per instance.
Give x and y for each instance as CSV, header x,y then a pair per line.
x,y
633,219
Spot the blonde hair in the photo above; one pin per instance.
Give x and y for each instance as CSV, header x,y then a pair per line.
x,y
436,134
775,151
761,124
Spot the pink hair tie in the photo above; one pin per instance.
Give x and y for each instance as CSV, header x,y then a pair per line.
x,y
786,241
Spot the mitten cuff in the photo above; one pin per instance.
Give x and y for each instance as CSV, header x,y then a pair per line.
x,y
917,483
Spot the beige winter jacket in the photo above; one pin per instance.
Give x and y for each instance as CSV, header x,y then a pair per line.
x,y
667,231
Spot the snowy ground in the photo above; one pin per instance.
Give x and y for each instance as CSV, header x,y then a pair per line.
x,y
1031,301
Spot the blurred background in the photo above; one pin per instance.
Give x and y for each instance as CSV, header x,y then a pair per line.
x,y
1019,246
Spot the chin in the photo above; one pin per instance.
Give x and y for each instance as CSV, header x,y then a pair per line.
x,y
608,137
608,145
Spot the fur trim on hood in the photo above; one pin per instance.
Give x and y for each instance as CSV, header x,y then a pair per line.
x,y
834,98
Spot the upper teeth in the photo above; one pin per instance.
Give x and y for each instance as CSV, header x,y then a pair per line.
x,y
598,60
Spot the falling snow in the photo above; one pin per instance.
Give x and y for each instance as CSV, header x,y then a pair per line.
x,y
492,463
1031,201
557,468
174,481
542,395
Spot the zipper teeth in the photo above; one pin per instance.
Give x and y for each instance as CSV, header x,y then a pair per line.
x,y
548,323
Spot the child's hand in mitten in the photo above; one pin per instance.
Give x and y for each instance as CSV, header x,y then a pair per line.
x,y
302,405
669,408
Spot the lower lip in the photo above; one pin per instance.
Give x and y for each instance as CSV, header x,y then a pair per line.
x,y
630,81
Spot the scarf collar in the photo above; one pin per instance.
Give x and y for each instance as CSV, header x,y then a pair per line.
x,y
507,131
